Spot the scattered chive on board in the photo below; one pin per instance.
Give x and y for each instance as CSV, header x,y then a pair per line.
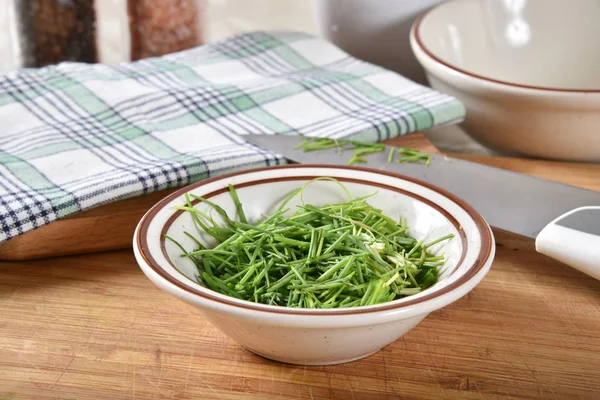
x,y
361,150
338,255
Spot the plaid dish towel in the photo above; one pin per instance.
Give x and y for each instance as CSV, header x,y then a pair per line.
x,y
74,136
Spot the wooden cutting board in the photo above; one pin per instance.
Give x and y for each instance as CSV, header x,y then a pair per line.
x,y
94,327
111,227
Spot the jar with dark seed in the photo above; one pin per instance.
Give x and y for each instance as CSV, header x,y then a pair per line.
x,y
106,31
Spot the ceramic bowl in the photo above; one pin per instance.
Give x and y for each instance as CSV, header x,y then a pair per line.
x,y
309,336
526,70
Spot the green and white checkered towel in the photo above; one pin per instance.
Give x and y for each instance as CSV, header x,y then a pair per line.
x,y
74,136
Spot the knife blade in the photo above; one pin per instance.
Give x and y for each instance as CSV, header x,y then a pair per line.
x,y
508,200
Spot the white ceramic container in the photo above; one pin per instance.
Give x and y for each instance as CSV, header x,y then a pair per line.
x,y
526,70
309,336
375,31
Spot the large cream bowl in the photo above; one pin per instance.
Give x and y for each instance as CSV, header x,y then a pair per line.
x,y
528,72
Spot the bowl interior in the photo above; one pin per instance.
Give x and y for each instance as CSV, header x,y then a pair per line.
x,y
429,211
264,198
544,43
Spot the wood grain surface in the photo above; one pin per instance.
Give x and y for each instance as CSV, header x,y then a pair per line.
x,y
112,226
94,327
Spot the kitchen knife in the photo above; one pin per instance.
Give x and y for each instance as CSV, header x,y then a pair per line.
x,y
564,220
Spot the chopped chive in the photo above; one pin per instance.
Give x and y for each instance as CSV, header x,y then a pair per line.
x,y
360,149
449,236
301,144
357,159
177,244
346,254
198,243
215,207
238,204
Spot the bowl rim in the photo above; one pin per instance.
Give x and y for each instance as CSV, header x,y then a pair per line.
x,y
482,259
416,33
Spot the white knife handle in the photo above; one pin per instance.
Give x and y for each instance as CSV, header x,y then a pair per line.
x,y
574,239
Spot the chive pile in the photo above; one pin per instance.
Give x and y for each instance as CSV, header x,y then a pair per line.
x,y
346,254
360,150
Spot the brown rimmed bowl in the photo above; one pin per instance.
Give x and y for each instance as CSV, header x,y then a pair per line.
x,y
309,336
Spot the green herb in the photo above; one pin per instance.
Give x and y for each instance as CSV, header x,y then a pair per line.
x,y
345,254
362,149
411,155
